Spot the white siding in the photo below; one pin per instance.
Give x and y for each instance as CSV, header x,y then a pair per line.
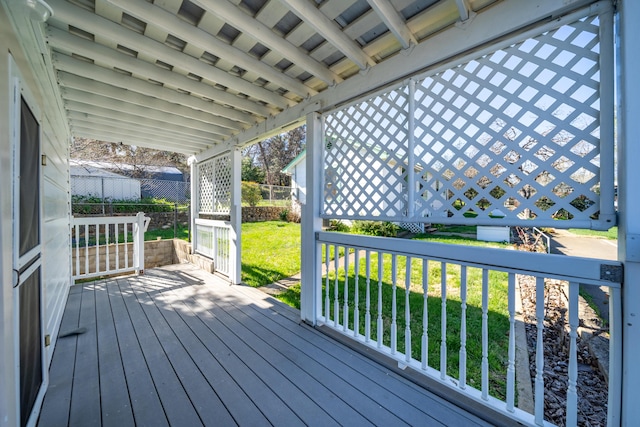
x,y
299,182
16,37
56,219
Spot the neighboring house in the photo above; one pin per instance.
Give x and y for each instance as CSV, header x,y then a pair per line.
x,y
475,85
297,170
91,181
117,181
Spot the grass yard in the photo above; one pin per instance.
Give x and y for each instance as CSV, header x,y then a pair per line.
x,y
270,251
611,234
182,233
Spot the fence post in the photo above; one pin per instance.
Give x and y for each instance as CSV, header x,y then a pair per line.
x,y
138,243
175,220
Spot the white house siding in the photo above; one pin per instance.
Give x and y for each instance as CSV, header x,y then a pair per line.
x,y
299,182
55,203
56,208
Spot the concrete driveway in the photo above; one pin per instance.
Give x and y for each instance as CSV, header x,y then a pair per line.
x,y
566,243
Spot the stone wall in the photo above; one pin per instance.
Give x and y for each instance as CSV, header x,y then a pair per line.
x,y
165,219
156,254
261,213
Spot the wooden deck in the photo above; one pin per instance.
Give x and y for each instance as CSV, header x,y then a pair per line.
x,y
179,347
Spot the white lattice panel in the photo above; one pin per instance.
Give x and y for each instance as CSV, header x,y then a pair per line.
x,y
215,185
364,154
514,134
205,187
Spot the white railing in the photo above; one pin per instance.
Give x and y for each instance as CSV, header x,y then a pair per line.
x,y
107,245
449,312
212,240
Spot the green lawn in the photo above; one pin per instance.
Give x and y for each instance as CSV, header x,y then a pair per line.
x,y
611,234
270,251
182,233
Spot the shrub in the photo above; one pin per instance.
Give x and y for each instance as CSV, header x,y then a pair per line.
x,y
375,228
284,215
251,193
339,226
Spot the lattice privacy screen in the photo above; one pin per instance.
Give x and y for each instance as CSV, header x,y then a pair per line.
x,y
514,134
215,185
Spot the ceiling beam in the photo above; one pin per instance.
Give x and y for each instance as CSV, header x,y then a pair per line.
x,y
235,17
95,24
433,56
80,132
219,114
89,120
394,21
141,134
134,118
170,23
69,94
64,41
330,31
71,81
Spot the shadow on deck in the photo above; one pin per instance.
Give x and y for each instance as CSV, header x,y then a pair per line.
x,y
180,347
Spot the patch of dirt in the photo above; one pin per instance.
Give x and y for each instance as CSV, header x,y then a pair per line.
x,y
591,385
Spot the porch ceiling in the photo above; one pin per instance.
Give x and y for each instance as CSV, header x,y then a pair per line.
x,y
203,76
187,75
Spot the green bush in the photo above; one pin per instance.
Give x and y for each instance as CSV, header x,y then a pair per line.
x,y
375,228
339,226
284,215
94,205
251,193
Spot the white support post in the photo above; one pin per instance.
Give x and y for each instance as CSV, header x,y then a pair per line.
x,y
311,286
235,214
628,208
195,201
138,243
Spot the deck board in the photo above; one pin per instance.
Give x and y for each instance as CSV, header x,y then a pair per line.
x,y
178,346
116,407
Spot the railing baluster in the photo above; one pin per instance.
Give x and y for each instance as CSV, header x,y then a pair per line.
x,y
326,283
86,249
97,234
126,244
367,314
485,333
336,304
425,313
539,381
511,367
107,230
443,321
572,394
77,231
117,247
463,328
394,303
379,329
356,296
345,306
407,312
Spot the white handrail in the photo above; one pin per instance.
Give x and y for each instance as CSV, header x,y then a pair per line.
x,y
107,245
349,311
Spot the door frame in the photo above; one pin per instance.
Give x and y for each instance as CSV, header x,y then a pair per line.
x,y
20,90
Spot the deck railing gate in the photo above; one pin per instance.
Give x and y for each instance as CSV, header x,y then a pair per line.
x,y
103,246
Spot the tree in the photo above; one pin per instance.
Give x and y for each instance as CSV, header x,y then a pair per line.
x,y
273,154
251,172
